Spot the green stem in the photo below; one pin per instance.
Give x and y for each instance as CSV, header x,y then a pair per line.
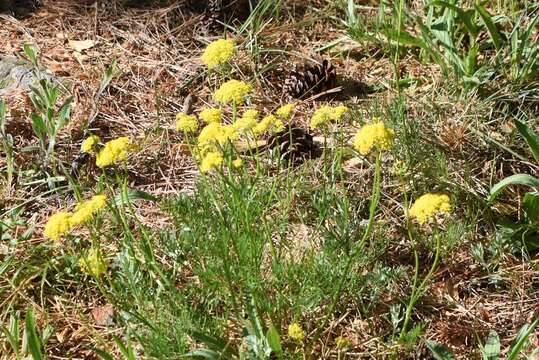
x,y
417,291
372,212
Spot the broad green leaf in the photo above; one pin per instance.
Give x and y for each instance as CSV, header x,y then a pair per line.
x,y
274,340
465,16
439,352
38,125
133,195
520,340
32,338
210,341
492,28
530,205
202,353
518,179
491,350
532,139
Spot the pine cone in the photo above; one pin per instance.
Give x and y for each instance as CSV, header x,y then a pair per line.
x,y
19,8
222,11
310,78
293,144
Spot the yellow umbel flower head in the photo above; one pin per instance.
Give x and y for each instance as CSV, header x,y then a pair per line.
x,y
285,111
232,92
186,123
58,225
93,263
247,122
295,332
211,161
428,205
113,151
269,123
342,342
210,115
237,163
218,52
86,210
89,145
326,114
373,136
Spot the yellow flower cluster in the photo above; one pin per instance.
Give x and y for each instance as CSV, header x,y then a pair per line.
x,y
247,122
342,342
373,135
61,223
186,123
326,113
295,332
268,123
211,161
285,111
215,133
218,52
232,92
428,205
237,163
113,151
86,210
89,145
93,263
210,115
58,225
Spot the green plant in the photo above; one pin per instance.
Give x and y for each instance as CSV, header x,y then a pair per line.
x,y
527,232
32,342
47,121
7,147
492,348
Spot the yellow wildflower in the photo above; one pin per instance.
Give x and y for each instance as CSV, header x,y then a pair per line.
x,y
93,263
233,91
58,225
210,134
326,113
237,163
218,52
321,116
210,115
268,123
113,151
88,146
339,111
428,205
342,342
86,210
295,332
285,111
373,135
211,161
186,123
247,121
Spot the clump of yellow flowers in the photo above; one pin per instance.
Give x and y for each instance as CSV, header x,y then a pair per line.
x,y
90,144
295,332
218,53
210,115
371,136
326,114
232,92
93,263
113,151
285,111
186,123
60,224
428,205
211,161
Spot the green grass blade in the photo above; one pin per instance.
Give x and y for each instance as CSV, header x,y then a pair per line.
x,y
532,139
32,337
492,28
520,340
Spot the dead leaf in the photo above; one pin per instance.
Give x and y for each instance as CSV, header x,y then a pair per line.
x,y
81,45
103,315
